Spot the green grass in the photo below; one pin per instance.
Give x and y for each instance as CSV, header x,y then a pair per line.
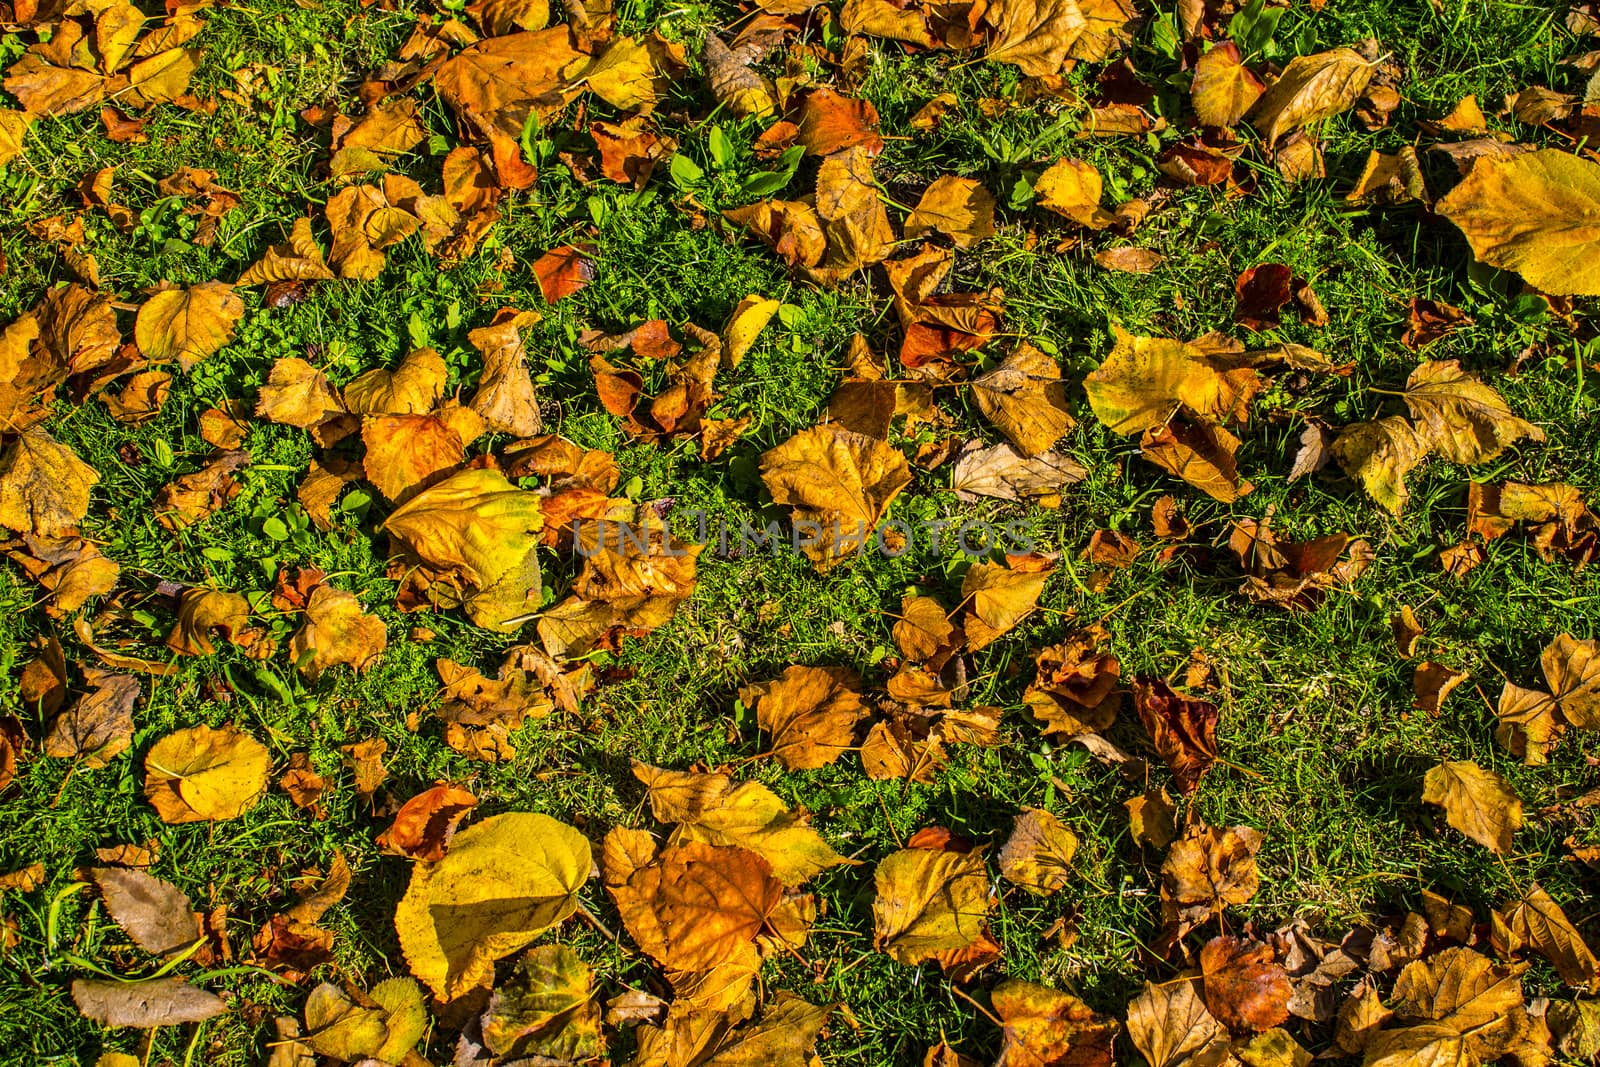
x,y
1323,752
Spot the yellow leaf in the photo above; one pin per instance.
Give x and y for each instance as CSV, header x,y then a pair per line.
x,y
1170,1026
1038,854
1042,1026
929,902
412,388
1537,213
336,630
1572,667
502,883
1460,417
506,397
1145,380
161,78
810,713
1072,188
187,325
1311,88
1479,803
998,598
712,809
1223,89
1380,454
1034,35
546,1009
960,208
13,127
205,775
744,326
1025,398
1536,921
44,486
839,482
298,259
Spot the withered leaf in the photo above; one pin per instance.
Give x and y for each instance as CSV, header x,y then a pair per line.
x,y
1536,921
1311,88
1038,854
187,325
1042,1027
336,631
929,902
202,774
44,486
1026,399
811,714
1243,986
156,914
145,1004
1479,803
424,825
1170,1026
1182,728
1461,418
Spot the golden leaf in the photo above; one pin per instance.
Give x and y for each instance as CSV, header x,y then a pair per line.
x,y
496,83
481,533
837,480
1461,418
1479,803
44,486
200,611
503,882
1072,188
297,394
1145,380
1201,453
811,714
998,599
506,397
1572,667
13,127
1536,921
1034,35
749,318
1170,1026
1380,454
1537,213
1041,1026
712,809
187,325
1025,398
1468,994
405,453
929,902
1223,88
1038,854
336,630
960,208
1311,88
205,775
412,388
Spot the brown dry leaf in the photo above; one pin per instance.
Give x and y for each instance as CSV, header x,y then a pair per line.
x,y
154,913
1536,922
1310,89
1201,453
145,1004
44,486
1243,986
1182,728
298,259
1223,88
1572,668
1026,400
336,631
791,229
713,809
1145,380
1461,418
924,632
1407,630
193,498
303,784
1129,259
1537,214
203,612
1152,818
503,882
929,902
830,122
837,482
1432,683
77,328
1035,35
1072,188
1042,1027
630,150
424,825
733,83
1000,471
365,758
811,714
99,727
998,597
1170,1026
1074,691
1207,869
202,774
783,1036
1479,803
960,208
1038,854
1380,454
187,325
1457,998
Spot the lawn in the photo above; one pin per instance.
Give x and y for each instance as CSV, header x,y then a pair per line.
x,y
1320,746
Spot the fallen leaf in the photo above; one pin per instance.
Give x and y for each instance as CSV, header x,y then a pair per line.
x,y
1042,1027
960,208
1207,869
929,902
1025,399
1380,454
144,1004
337,631
1182,728
1072,188
1461,418
811,714
203,612
999,597
1243,986
200,774
1038,854
1145,380
1536,921
187,325
838,482
1170,1026
425,824
564,271
154,913
546,1008
1034,35
99,727
44,486
1223,88
503,882
1432,683
711,808
1310,89
1479,803
1537,214
1000,471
